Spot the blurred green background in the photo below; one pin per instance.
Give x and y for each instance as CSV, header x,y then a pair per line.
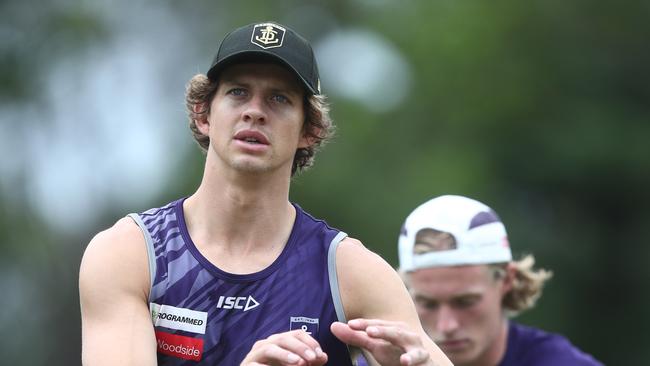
x,y
541,109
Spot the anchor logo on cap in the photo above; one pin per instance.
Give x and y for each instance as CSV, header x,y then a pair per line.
x,y
267,35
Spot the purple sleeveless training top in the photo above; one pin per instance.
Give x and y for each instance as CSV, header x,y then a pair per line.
x,y
534,347
202,314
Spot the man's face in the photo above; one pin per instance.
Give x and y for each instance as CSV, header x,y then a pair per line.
x,y
256,118
460,308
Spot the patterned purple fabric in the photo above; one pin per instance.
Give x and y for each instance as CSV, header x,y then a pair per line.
x,y
204,314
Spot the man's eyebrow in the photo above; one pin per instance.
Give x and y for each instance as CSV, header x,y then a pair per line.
x,y
232,80
287,89
455,297
424,297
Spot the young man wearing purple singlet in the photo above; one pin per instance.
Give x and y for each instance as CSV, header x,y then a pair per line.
x,y
236,274
455,259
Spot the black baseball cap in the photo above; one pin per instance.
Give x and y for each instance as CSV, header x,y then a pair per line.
x,y
268,41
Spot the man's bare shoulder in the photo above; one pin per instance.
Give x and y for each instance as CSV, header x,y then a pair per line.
x,y
116,257
352,254
124,230
367,282
113,293
117,243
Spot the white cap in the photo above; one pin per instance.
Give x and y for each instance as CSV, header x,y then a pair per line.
x,y
479,234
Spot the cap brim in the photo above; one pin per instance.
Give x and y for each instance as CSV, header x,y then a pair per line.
x,y
255,56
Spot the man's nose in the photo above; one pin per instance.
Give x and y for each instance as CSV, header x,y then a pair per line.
x,y
447,320
255,111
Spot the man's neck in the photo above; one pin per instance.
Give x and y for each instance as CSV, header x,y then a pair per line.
x,y
240,215
495,353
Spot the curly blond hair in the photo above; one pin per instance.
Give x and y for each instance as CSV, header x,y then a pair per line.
x,y
527,284
318,125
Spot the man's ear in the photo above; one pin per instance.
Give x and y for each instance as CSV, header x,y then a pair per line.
x,y
307,139
509,278
201,118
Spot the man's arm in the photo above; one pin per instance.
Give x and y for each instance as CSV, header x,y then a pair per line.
x,y
384,321
113,289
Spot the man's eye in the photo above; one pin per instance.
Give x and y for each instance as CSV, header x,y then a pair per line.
x,y
429,305
465,302
237,91
280,98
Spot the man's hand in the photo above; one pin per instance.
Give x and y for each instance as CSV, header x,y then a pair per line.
x,y
295,348
390,343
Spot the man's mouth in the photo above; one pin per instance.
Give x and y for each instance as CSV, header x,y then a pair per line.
x,y
451,345
251,140
252,137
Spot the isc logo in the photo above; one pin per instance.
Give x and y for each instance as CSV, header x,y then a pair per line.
x,y
239,303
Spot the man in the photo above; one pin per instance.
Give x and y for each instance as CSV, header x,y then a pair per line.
x,y
456,261
235,273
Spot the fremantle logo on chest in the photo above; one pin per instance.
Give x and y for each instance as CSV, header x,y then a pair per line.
x,y
308,325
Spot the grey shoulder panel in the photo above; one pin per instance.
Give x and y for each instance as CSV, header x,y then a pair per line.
x,y
333,277
151,254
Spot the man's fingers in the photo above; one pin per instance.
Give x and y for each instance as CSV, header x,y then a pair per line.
x,y
357,338
349,335
394,335
414,357
289,348
362,324
273,353
393,332
298,347
310,342
387,340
